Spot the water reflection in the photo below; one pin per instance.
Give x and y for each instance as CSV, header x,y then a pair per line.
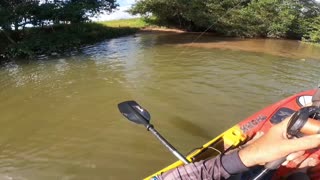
x,y
62,66
285,48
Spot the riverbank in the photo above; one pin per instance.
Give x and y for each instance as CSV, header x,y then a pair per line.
x,y
143,25
57,39
61,39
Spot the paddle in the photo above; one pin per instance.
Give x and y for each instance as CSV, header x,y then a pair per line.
x,y
137,114
291,127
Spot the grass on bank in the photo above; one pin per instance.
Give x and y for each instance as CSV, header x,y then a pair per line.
x,y
133,23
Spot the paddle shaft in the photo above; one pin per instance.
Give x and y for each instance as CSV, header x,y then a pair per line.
x,y
173,150
269,167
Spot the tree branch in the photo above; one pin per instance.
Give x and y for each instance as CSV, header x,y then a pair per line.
x,y
8,37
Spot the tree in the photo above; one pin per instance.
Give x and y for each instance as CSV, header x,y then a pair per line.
x,y
190,14
248,18
15,12
18,13
313,34
76,11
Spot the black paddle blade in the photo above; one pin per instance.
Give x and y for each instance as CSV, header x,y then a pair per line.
x,y
134,112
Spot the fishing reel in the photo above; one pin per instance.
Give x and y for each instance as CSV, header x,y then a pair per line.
x,y
304,122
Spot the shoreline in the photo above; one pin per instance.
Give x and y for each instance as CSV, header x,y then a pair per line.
x,y
161,29
253,45
58,39
97,32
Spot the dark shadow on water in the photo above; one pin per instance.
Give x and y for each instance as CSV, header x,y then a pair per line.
x,y
192,129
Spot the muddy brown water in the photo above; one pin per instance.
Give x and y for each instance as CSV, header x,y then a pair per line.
x,y
59,117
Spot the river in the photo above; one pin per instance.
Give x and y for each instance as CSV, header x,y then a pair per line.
x,y
59,117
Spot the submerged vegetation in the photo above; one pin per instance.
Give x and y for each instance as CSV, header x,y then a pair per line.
x,y
294,19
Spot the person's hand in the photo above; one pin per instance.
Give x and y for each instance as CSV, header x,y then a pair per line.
x,y
300,160
293,160
275,145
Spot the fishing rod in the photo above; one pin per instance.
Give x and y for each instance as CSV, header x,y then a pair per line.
x,y
137,114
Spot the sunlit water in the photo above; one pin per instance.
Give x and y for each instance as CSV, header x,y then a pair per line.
x,y
59,117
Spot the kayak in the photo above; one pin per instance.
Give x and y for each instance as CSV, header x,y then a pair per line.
x,y
246,129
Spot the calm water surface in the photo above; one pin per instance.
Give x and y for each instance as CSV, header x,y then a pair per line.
x,y
59,117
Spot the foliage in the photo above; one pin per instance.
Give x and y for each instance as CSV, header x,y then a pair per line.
x,y
248,18
283,18
188,14
60,38
15,12
313,34
57,25
19,13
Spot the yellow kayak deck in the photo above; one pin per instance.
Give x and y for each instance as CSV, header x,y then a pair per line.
x,y
229,139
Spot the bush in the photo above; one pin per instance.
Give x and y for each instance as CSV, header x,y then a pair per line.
x,y
248,18
61,38
313,34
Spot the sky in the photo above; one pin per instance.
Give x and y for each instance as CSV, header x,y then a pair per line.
x,y
118,14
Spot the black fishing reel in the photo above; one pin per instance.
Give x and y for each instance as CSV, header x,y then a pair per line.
x,y
304,122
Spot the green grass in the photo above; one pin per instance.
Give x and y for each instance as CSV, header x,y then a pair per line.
x,y
133,23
